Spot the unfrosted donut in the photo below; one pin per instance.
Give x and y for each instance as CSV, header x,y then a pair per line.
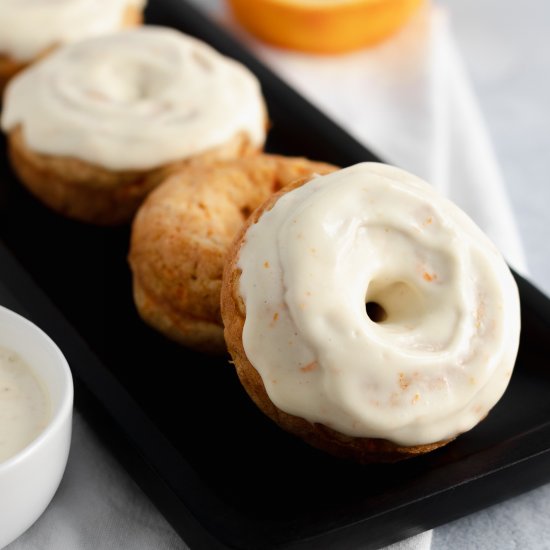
x,y
96,125
31,28
181,235
369,315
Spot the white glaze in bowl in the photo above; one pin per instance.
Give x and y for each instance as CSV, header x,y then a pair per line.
x,y
29,479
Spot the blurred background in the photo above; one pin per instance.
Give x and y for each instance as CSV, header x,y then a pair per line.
x,y
504,47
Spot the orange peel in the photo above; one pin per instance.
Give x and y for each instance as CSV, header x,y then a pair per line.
x,y
323,26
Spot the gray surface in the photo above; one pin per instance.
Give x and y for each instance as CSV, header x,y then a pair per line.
x,y
522,523
505,45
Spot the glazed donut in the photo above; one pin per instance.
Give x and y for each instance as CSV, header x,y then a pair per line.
x,y
96,125
181,235
31,28
369,315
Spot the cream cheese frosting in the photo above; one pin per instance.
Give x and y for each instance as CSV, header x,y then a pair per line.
x,y
439,347
136,99
30,27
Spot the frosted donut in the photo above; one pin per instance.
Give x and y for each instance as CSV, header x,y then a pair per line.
x,y
430,358
31,28
182,233
96,125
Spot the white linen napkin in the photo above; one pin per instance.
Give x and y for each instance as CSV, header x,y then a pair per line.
x,y
97,506
407,99
410,101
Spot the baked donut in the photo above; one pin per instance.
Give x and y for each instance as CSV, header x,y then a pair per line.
x,y
181,236
369,315
29,30
96,125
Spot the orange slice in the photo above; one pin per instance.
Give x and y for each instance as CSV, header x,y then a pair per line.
x,y
323,26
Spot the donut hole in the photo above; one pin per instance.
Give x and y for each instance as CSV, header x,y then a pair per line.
x,y
394,303
375,312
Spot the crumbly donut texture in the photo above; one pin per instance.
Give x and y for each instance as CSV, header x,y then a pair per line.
x,y
11,64
181,235
378,389
89,193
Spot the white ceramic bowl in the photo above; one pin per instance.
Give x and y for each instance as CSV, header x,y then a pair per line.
x,y
29,479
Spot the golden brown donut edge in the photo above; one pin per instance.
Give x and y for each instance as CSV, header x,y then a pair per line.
x,y
90,193
181,236
359,449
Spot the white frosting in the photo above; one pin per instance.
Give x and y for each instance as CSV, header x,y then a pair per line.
x,y
30,27
372,233
24,405
136,99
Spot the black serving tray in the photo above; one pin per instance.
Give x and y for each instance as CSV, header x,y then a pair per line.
x,y
222,473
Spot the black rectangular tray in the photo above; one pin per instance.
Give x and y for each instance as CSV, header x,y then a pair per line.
x,y
222,473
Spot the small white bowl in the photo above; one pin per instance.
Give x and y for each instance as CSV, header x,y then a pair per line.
x,y
29,479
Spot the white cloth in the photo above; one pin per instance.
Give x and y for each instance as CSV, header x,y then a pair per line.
x,y
410,101
97,506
